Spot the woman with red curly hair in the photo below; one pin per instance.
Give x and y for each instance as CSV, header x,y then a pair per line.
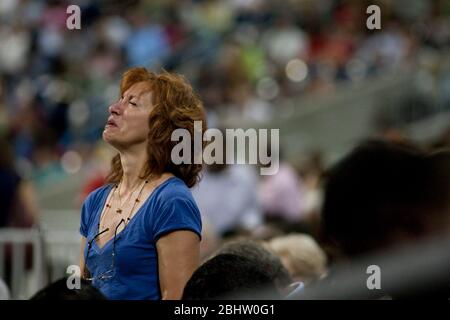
x,y
141,231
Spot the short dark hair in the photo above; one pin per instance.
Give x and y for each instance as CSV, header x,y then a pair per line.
x,y
379,190
229,276
267,260
58,290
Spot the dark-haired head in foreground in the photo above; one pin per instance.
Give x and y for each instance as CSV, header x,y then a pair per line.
x,y
264,258
59,291
384,194
230,276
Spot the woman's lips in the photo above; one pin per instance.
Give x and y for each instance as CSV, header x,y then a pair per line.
x,y
111,123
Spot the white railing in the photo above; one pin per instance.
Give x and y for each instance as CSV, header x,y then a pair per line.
x,y
13,244
51,253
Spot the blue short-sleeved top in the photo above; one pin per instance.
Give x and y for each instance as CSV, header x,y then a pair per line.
x,y
169,207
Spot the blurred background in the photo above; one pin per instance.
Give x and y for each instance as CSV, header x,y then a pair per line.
x,y
308,67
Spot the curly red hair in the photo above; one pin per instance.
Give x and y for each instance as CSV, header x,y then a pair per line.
x,y
176,105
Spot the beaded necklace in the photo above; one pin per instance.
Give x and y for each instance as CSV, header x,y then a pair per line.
x,y
119,211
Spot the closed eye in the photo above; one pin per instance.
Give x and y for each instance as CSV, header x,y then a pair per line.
x,y
133,103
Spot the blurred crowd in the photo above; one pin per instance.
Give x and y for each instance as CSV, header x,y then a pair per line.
x,y
244,57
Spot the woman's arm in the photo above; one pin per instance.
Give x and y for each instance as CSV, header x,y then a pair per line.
x,y
83,269
178,258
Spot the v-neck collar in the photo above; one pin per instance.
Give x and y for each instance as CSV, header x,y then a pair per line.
x,y
100,210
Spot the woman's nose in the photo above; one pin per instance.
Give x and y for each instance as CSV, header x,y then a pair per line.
x,y
114,108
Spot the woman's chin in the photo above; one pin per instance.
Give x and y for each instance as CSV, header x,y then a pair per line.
x,y
108,136
113,140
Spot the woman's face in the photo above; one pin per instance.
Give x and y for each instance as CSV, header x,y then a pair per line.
x,y
128,121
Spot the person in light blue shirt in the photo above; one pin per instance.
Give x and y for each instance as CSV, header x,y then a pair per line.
x,y
141,231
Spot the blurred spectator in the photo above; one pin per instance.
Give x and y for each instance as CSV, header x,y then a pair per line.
x,y
385,194
285,40
268,261
229,276
281,194
15,42
20,209
17,195
301,256
387,50
227,198
147,44
311,174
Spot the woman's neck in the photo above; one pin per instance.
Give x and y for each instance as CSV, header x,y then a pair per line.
x,y
133,162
